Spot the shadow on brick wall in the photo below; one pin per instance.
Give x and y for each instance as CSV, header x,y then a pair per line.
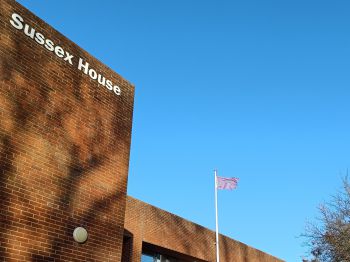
x,y
58,147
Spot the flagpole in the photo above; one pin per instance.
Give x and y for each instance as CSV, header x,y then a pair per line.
x,y
216,218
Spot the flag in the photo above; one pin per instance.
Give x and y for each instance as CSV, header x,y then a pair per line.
x,y
226,183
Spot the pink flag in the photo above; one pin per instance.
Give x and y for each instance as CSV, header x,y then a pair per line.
x,y
226,183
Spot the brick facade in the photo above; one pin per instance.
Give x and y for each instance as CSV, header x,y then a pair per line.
x,y
65,131
158,230
64,147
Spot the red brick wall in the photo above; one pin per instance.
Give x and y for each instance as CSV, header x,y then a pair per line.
x,y
64,149
162,229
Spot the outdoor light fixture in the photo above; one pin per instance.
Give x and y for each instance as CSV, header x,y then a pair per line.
x,y
80,234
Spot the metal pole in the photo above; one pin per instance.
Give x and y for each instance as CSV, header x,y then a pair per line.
x,y
216,219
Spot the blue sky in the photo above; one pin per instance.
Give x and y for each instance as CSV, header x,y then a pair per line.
x,y
256,89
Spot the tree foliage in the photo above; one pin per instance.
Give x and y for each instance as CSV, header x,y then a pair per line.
x,y
329,240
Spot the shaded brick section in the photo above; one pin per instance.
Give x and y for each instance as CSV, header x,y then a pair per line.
x,y
148,224
64,150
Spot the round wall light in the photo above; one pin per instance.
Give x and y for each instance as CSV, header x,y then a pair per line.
x,y
80,234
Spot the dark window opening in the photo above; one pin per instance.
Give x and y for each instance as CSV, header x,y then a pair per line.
x,y
151,253
127,248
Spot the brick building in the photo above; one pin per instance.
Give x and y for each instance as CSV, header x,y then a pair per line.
x,y
65,131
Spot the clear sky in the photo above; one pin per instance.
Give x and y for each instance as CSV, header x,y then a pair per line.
x,y
257,89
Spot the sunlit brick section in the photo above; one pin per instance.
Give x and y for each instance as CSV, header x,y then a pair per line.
x,y
162,232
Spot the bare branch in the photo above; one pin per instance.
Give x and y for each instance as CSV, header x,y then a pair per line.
x,y
329,240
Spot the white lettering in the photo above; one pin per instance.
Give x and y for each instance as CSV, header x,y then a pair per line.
x,y
116,90
59,51
92,74
68,58
17,21
109,85
49,45
39,38
101,80
26,31
85,66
